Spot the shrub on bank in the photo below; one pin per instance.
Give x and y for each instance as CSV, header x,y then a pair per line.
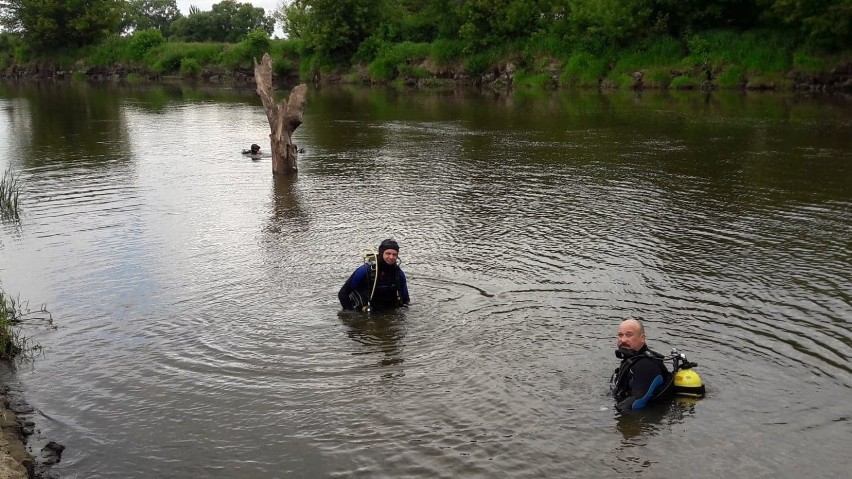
x,y
684,82
582,69
143,41
190,68
112,50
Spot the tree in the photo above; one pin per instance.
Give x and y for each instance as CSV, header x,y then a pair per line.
x,y
494,22
333,27
227,21
145,14
283,117
825,23
235,20
50,24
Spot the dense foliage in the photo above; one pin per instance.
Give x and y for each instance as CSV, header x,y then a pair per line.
x,y
50,24
328,25
227,21
145,14
671,43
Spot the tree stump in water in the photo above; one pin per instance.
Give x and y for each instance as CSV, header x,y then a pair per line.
x,y
283,118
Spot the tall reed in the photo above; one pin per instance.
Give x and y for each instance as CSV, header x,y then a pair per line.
x,y
10,188
12,343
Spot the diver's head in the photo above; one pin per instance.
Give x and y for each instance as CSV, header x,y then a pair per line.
x,y
631,335
389,251
255,148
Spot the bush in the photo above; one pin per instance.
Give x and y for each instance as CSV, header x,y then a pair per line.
x,y
584,70
406,52
256,43
526,80
479,63
168,56
445,51
731,77
684,82
369,49
758,51
808,63
657,78
190,67
165,58
657,52
381,70
413,71
541,44
112,50
143,41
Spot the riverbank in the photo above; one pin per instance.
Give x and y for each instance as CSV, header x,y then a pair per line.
x,y
18,460
504,76
15,461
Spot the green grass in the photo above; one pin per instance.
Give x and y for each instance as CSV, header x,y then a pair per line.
x,y
445,51
657,78
528,80
808,63
190,68
12,343
731,77
583,70
658,52
684,82
754,51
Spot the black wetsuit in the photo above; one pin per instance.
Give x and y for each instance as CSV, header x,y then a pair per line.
x,y
640,378
391,288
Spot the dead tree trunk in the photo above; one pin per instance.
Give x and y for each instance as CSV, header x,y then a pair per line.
x,y
283,118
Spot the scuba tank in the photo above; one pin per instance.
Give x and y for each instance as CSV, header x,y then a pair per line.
x,y
370,257
686,381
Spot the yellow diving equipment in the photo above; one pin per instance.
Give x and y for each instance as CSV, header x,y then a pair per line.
x,y
688,383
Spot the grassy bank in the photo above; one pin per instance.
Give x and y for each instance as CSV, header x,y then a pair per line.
x,y
717,59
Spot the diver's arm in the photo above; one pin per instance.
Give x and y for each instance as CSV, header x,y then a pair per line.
x,y
403,288
351,285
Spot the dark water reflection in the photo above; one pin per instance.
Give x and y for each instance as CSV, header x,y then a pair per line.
x,y
199,334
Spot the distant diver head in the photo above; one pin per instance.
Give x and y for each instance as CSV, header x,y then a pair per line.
x,y
255,148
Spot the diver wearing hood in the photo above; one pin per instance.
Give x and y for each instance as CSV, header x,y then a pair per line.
x,y
376,286
642,376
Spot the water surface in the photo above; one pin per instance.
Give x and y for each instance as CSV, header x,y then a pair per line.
x,y
194,295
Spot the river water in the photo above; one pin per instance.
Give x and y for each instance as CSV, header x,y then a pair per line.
x,y
196,330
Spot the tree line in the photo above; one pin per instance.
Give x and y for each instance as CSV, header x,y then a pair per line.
x,y
48,25
395,38
340,27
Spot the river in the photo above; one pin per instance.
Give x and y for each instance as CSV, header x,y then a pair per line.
x,y
195,326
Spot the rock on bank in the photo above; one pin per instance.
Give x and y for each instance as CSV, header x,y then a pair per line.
x,y
15,461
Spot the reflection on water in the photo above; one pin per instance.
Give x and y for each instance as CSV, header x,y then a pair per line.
x,y
199,333
380,334
654,419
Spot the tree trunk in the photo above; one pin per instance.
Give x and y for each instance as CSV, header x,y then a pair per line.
x,y
283,118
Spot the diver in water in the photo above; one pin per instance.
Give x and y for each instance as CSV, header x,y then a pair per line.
x,y
642,377
253,150
378,284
